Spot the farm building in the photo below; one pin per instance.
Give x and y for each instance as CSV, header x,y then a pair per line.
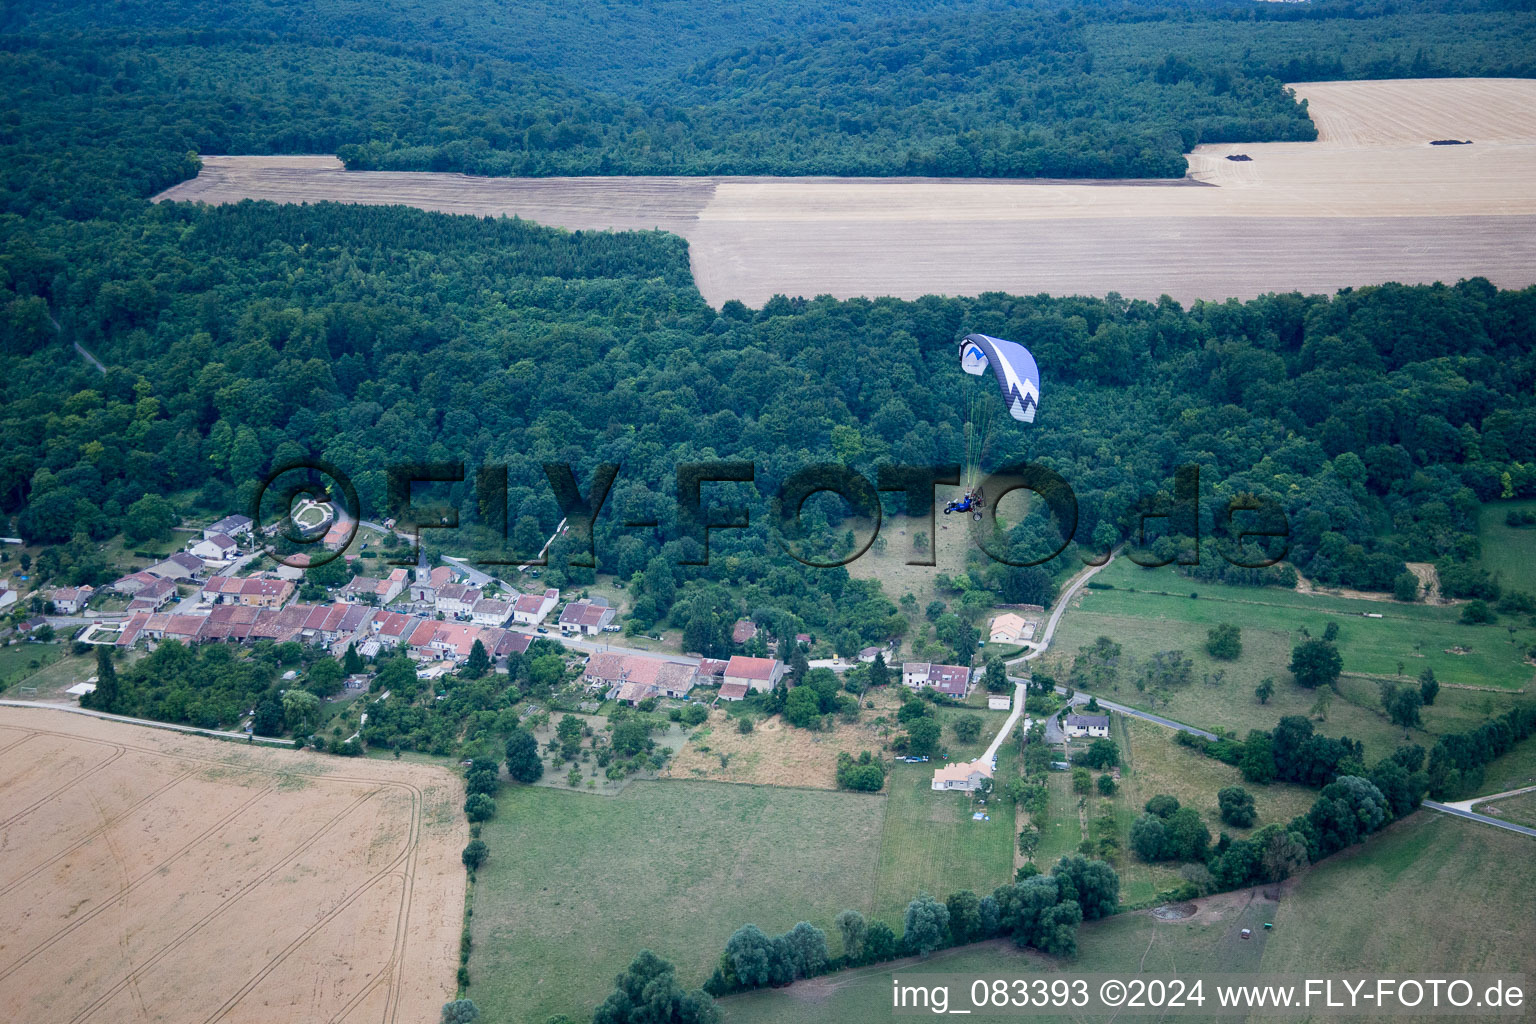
x,y
733,691
631,678
754,673
999,702
183,565
383,591
254,591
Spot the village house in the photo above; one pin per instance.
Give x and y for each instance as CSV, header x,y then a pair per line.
x,y
391,629
69,600
869,654
256,591
1011,628
1086,725
754,673
966,775
631,678
381,592
168,626
132,583
229,526
129,635
950,680
585,618
183,565
231,623
217,548
509,643
744,630
457,639
456,598
153,597
530,609
339,535
490,612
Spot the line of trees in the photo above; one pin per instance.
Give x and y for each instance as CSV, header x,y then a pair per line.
x,y
1039,911
1457,760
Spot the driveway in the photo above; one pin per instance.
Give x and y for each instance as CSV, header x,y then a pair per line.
x,y
1013,718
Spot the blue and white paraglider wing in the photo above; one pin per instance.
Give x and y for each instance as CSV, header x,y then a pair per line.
x,y
1015,369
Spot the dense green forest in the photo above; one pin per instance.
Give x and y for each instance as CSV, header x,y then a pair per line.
x,y
967,88
1379,419
236,336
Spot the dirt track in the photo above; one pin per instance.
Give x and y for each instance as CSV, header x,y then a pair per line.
x,y
149,875
1370,201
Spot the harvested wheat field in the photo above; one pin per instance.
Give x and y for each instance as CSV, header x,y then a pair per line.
x,y
1370,201
149,875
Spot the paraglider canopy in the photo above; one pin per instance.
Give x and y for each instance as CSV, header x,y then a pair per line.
x,y
1015,369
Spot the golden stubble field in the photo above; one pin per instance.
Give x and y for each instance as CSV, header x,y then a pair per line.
x,y
152,876
1370,201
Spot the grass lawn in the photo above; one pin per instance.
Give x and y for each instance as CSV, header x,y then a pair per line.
x,y
1061,833
576,884
1519,809
16,662
1430,893
931,844
62,672
1368,646
1144,623
1508,553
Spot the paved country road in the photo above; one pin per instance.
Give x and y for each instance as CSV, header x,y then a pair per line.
x,y
1462,812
